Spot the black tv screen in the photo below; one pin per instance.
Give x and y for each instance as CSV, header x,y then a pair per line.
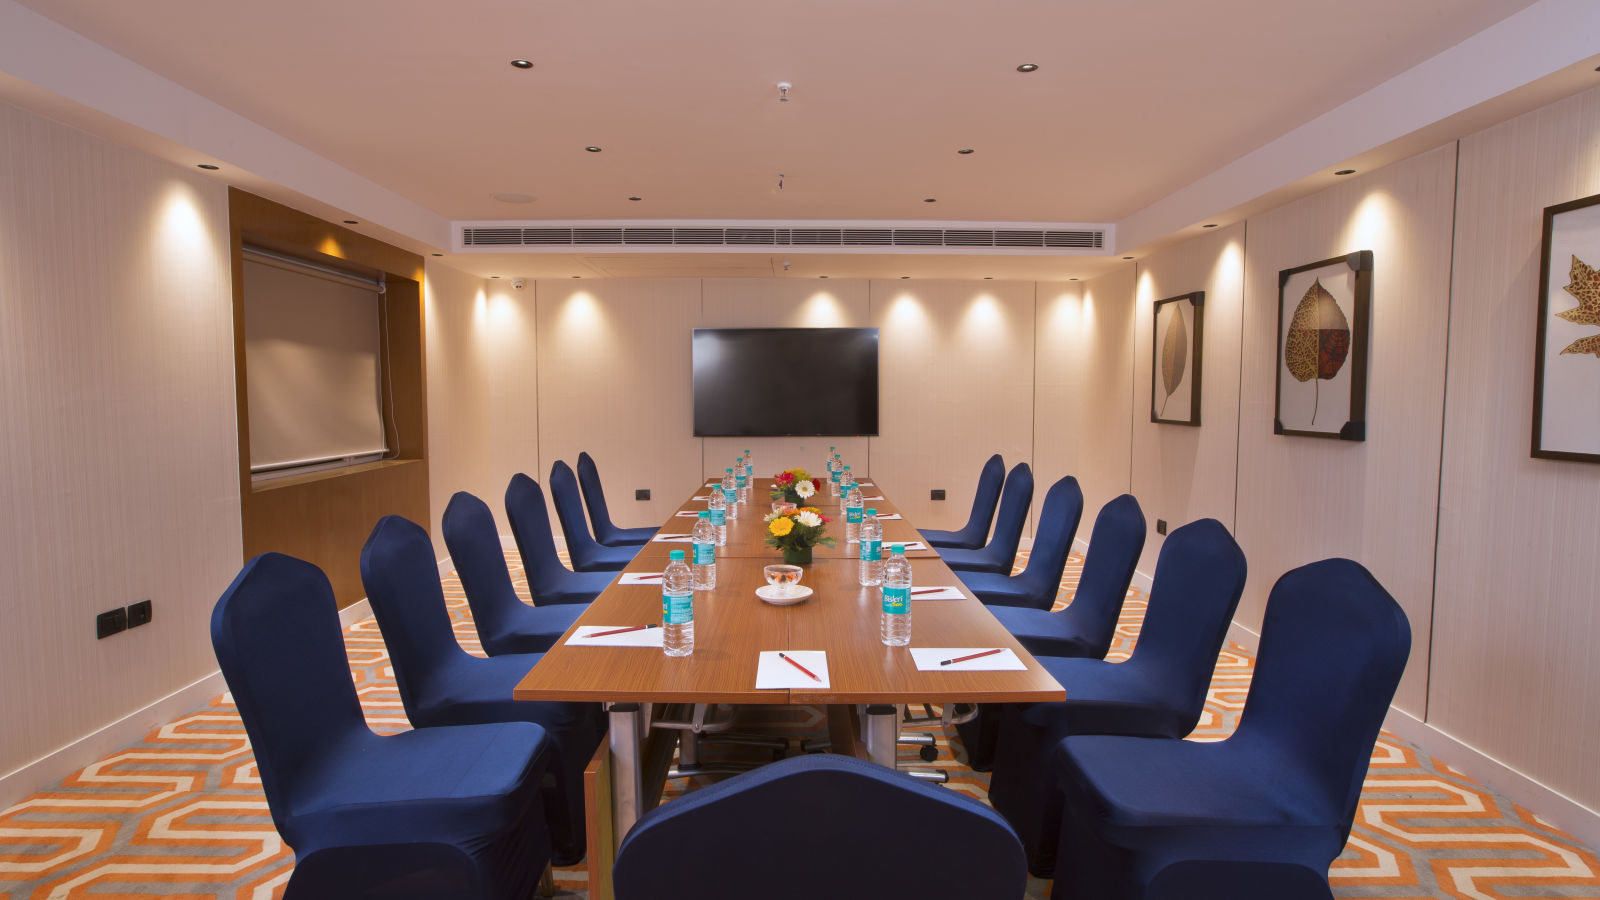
x,y
777,382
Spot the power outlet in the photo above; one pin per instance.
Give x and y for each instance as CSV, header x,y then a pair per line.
x,y
140,614
642,494
1161,526
936,494
110,622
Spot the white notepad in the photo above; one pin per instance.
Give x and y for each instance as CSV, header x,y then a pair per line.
x,y
884,517
928,659
706,498
909,545
936,592
673,538
689,513
773,672
644,637
640,578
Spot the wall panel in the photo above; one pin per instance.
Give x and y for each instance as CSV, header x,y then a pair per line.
x,y
460,445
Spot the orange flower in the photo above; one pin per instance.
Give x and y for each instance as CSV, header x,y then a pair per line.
x,y
781,525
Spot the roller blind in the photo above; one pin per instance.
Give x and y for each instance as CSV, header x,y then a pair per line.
x,y
312,366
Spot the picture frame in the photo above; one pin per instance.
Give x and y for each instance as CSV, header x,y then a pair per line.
x,y
1566,374
1176,355
1323,313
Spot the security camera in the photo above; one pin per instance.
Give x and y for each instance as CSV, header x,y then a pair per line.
x,y
519,283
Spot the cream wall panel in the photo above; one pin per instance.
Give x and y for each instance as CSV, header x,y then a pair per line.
x,y
1060,341
956,367
614,379
119,451
460,451
1181,473
1304,499
785,303
1515,671
510,342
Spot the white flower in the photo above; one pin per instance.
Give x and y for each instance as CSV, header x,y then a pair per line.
x,y
804,488
809,519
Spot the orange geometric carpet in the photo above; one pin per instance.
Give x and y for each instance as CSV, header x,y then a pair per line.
x,y
181,813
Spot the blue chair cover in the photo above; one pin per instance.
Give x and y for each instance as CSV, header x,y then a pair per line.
x,y
549,580
1159,691
1085,628
594,496
505,624
445,812
820,826
972,535
586,555
442,684
1036,586
1261,815
1001,551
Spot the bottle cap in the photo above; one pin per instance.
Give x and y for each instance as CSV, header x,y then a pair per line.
x,y
728,469
871,512
847,468
705,513
676,555
898,549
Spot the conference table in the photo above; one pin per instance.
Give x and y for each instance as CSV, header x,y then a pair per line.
x,y
868,682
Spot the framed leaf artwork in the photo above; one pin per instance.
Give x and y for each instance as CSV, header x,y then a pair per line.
x,y
1323,308
1175,360
1566,374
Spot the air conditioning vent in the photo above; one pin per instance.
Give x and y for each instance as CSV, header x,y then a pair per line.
x,y
922,236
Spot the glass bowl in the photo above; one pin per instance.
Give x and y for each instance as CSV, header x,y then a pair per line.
x,y
784,578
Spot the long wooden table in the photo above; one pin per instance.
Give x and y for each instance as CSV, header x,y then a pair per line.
x,y
732,628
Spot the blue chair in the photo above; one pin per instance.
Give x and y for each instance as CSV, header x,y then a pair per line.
x,y
549,580
1261,815
441,684
819,826
505,624
972,535
1001,551
594,496
443,812
585,553
1036,586
1159,691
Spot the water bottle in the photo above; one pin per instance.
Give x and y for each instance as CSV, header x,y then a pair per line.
x,y
871,545
705,553
741,480
894,626
835,470
846,482
749,466
730,494
719,515
677,607
829,460
852,514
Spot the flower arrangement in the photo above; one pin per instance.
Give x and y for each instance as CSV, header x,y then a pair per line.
x,y
794,486
796,531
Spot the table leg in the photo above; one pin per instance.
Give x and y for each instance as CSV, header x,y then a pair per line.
x,y
882,729
627,779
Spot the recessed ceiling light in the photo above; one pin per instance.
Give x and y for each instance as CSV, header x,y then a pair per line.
x,y
1028,67
522,63
1209,225
965,151
1127,257
577,276
1345,172
351,222
636,198
592,149
494,276
930,200
438,254
207,166
988,278
904,277
1072,279
514,198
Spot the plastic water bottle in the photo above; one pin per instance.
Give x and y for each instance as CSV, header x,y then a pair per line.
x,y
852,514
835,470
894,626
871,544
677,607
719,515
730,494
749,466
847,480
741,480
705,553
829,460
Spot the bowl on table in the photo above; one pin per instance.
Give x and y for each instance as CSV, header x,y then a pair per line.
x,y
783,587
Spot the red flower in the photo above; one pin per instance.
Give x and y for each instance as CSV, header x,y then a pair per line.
x,y
816,483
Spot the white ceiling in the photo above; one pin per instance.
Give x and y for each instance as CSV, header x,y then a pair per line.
x,y
1134,101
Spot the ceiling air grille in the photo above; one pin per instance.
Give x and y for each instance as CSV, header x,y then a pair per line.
x,y
747,236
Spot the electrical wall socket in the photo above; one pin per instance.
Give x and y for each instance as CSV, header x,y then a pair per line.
x,y
139,613
642,494
110,622
936,494
1161,526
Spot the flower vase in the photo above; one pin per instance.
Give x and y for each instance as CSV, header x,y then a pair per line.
x,y
793,496
797,556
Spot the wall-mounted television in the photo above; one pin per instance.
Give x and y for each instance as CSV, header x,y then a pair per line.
x,y
780,382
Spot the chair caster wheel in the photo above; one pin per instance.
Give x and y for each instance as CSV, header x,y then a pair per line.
x,y
928,753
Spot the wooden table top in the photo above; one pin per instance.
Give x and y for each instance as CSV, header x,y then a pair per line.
x,y
733,626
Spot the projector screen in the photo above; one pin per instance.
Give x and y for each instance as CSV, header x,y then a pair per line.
x,y
779,382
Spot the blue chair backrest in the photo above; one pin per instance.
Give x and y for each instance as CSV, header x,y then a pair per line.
x,y
1114,548
986,497
1333,647
536,543
278,642
1199,577
474,544
594,496
1052,543
402,582
820,826
1014,504
569,510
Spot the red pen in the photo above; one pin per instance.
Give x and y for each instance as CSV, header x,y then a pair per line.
x,y
621,630
972,656
791,662
938,590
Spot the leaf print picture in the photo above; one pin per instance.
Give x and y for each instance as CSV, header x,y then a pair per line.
x,y
1566,384
1322,348
1176,359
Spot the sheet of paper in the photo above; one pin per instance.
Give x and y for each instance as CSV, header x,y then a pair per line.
x,y
705,497
673,538
688,513
644,637
884,517
909,545
640,578
773,672
929,658
936,592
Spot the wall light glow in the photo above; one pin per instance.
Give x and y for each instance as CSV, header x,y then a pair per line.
x,y
983,318
1229,273
191,261
1373,223
822,310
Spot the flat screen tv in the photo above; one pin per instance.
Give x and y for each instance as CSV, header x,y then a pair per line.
x,y
779,382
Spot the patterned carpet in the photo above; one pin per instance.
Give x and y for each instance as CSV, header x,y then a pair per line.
x,y
181,813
